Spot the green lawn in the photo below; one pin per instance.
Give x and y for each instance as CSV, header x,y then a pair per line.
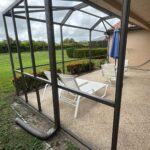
x,y
12,137
5,68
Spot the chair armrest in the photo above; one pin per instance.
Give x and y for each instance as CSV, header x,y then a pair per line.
x,y
92,90
83,83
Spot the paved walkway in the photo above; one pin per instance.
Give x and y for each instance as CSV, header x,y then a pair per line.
x,y
94,121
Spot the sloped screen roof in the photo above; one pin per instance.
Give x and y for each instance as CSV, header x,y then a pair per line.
x,y
67,13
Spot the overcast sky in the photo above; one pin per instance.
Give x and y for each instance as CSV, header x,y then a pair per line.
x,y
39,29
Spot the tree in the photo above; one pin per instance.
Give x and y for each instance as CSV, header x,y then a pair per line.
x,y
69,41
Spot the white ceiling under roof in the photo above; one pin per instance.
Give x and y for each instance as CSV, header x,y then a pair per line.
x,y
140,10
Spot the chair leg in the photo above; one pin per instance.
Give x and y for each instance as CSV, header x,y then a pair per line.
x,y
105,91
44,91
110,83
77,107
59,92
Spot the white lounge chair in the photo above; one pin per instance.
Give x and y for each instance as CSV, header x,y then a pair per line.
x,y
48,75
70,81
86,86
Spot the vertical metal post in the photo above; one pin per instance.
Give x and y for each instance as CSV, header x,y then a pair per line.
x,y
10,53
62,48
52,58
120,71
90,46
18,51
104,25
32,50
108,44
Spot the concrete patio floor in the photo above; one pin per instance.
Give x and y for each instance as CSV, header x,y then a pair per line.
x,y
94,121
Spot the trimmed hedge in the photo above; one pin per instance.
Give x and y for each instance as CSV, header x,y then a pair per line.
x,y
85,53
23,46
70,52
71,45
80,67
37,45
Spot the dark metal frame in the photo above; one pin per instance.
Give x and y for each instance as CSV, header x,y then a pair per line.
x,y
63,23
48,9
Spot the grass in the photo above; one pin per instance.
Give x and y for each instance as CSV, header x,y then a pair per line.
x,y
12,137
5,68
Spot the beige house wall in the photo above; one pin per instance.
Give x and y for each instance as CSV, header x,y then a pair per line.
x,y
138,48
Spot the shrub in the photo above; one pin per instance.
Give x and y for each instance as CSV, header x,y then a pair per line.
x,y
29,84
80,67
85,53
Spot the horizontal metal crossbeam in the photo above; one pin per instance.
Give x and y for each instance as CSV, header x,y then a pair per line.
x,y
56,23
15,4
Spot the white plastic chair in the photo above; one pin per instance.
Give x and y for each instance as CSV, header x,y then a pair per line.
x,y
126,64
109,72
86,86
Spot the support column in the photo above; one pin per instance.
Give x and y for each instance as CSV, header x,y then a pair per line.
x,y
52,58
108,47
32,51
62,48
120,71
90,46
10,53
18,51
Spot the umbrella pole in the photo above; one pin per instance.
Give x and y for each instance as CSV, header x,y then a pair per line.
x,y
115,62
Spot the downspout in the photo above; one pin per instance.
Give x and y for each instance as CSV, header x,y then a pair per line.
x,y
35,132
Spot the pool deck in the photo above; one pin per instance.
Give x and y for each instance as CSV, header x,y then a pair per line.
x,y
94,121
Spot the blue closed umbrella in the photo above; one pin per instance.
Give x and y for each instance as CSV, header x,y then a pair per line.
x,y
114,51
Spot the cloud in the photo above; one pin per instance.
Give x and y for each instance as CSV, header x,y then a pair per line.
x,y
39,29
3,6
